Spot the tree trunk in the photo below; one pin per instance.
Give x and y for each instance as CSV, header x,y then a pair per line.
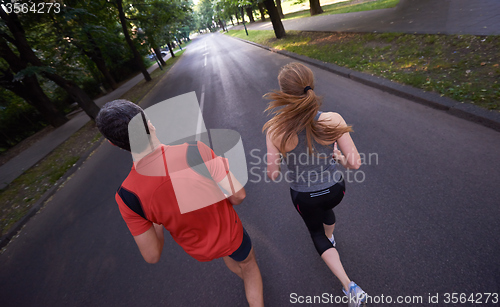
x,y
222,25
231,18
237,17
250,14
279,30
27,55
159,55
137,56
76,93
101,65
42,103
31,91
242,15
315,7
262,10
280,10
96,56
169,44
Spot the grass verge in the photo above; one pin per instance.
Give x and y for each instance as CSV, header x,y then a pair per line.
x,y
462,67
347,7
20,195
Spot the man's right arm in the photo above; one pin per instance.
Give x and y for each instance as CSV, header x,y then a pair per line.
x,y
147,235
233,186
150,243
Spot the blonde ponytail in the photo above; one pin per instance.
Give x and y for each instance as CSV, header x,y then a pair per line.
x,y
294,108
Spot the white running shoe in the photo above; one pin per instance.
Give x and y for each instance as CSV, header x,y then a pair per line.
x,y
332,239
356,295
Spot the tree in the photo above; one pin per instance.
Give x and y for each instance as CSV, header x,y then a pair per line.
x,y
236,16
29,58
279,30
314,7
249,12
80,25
205,15
162,20
27,87
262,10
137,57
280,10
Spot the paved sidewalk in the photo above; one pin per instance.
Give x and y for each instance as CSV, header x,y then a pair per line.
x,y
17,165
477,17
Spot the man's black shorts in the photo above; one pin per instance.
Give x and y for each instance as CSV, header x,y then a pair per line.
x,y
242,252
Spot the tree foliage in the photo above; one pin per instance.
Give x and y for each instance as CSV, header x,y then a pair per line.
x,y
211,14
82,46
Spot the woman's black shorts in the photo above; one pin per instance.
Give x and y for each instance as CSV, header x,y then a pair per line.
x,y
315,208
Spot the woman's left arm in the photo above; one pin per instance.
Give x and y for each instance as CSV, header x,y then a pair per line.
x,y
273,158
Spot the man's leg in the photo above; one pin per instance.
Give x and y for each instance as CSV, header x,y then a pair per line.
x,y
252,279
233,266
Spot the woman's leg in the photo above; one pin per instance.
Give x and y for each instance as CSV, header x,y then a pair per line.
x,y
315,211
328,230
332,260
329,222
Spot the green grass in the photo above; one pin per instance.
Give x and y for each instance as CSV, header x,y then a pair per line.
x,y
347,7
461,67
253,35
21,194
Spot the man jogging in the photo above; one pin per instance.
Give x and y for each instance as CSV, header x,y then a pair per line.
x,y
164,176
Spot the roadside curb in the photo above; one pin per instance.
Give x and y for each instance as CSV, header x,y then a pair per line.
x,y
5,239
470,112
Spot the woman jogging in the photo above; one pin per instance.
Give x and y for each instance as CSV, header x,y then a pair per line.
x,y
298,130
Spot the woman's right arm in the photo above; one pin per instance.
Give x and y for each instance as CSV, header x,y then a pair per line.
x,y
348,155
273,159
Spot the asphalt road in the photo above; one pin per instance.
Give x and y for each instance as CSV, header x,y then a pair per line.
x,y
424,218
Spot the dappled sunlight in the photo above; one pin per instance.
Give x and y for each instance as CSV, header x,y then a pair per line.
x,y
296,44
333,38
407,65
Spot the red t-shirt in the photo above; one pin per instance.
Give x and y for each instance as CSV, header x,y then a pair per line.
x,y
204,230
